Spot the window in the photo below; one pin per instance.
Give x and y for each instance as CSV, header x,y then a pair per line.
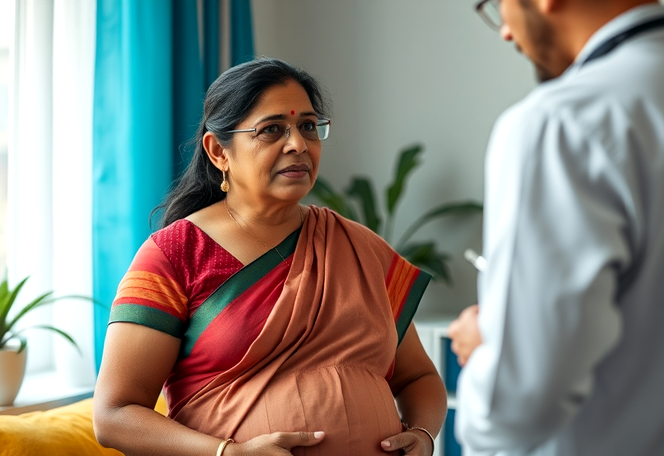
x,y
6,28
47,223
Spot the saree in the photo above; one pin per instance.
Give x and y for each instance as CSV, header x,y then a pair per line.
x,y
314,325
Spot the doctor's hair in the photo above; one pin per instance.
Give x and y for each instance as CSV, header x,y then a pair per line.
x,y
228,101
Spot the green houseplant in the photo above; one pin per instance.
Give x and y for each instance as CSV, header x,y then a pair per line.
x,y
360,195
13,344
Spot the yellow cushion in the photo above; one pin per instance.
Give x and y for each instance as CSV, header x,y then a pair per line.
x,y
161,406
62,431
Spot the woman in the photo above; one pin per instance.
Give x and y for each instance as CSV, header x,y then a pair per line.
x,y
273,328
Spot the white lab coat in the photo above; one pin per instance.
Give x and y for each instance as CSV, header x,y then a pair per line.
x,y
572,298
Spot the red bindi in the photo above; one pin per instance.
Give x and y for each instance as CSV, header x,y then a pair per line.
x,y
292,113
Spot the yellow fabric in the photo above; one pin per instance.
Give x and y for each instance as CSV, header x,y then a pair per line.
x,y
63,431
161,406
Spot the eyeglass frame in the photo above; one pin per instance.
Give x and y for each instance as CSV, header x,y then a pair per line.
x,y
319,123
480,8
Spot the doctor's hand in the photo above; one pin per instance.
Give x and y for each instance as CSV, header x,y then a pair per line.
x,y
465,334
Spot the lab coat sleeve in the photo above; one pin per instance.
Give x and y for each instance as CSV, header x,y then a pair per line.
x,y
554,243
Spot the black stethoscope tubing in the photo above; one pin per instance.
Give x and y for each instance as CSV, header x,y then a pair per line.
x,y
612,43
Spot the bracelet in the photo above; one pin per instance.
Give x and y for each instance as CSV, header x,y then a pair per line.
x,y
222,446
433,445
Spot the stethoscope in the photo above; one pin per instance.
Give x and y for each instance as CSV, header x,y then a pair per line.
x,y
612,43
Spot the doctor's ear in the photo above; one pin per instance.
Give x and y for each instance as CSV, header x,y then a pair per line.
x,y
217,153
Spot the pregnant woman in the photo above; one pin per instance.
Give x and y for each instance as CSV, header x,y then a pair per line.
x,y
272,328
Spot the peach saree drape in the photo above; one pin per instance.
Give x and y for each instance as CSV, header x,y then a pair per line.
x,y
323,359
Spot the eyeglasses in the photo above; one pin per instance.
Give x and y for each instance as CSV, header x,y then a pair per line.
x,y
489,10
311,131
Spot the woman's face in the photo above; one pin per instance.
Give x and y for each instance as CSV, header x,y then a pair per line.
x,y
265,166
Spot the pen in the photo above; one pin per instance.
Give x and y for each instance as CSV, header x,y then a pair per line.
x,y
475,259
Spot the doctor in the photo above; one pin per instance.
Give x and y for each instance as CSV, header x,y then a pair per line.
x,y
565,354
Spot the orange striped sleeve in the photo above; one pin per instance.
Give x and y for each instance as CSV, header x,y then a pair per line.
x,y
405,286
150,293
153,287
400,279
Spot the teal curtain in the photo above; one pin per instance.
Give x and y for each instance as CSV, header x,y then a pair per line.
x,y
242,41
154,62
195,67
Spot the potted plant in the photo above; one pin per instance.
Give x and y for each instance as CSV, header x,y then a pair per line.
x,y
13,346
360,193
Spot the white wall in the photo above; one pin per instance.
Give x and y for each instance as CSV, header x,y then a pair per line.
x,y
399,72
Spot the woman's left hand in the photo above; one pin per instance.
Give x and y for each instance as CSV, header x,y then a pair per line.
x,y
413,442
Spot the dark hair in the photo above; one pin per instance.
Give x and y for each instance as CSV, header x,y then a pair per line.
x,y
228,101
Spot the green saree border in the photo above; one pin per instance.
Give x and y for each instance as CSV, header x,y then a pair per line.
x,y
147,316
412,303
235,286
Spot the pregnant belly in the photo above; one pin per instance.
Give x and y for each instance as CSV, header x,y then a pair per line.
x,y
354,407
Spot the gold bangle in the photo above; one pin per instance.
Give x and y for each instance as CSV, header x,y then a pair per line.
x,y
433,445
222,446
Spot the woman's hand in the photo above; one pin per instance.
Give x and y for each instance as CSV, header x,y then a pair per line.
x,y
413,442
275,444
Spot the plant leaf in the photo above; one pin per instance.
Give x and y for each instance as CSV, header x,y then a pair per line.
x,y
448,209
4,291
407,161
362,189
329,198
7,299
426,256
22,341
54,329
40,301
43,300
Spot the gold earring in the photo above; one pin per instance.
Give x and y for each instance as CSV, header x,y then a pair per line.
x,y
224,183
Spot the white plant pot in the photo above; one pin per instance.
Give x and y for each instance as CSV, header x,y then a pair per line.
x,y
12,370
